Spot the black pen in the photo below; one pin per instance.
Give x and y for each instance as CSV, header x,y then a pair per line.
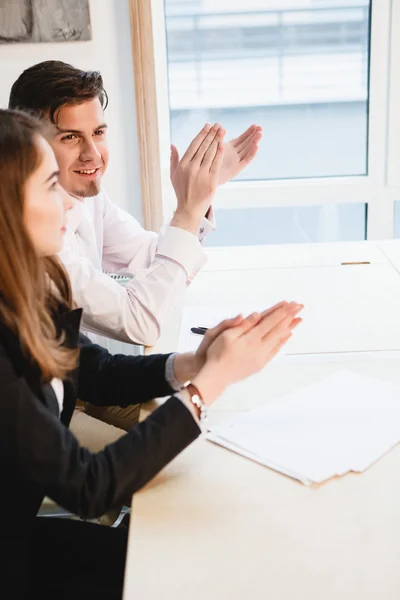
x,y
199,330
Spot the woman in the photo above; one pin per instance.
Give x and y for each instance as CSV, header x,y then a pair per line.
x,y
40,380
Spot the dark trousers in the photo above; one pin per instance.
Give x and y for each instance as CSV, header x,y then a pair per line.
x,y
76,560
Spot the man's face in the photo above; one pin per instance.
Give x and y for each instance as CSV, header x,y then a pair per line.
x,y
80,146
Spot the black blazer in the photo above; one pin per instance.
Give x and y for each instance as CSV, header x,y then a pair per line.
x,y
40,457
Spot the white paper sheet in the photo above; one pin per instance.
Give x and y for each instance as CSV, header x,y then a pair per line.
x,y
344,423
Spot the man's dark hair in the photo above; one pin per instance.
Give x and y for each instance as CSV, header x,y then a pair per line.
x,y
44,88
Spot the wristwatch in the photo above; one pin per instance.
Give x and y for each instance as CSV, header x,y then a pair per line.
x,y
196,399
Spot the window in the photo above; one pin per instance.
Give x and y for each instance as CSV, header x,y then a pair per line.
x,y
289,225
321,77
300,73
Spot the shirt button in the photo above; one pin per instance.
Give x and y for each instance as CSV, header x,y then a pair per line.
x,y
202,230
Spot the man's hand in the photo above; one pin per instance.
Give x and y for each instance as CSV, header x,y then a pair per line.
x,y
195,177
239,153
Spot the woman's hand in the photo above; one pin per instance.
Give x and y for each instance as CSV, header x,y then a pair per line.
x,y
188,364
211,335
239,351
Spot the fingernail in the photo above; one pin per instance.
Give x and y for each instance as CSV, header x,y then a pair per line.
x,y
297,323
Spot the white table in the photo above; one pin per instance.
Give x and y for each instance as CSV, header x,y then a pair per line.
x,y
215,525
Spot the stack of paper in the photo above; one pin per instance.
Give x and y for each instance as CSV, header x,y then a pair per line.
x,y
344,423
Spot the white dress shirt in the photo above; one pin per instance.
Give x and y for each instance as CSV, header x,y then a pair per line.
x,y
58,389
103,238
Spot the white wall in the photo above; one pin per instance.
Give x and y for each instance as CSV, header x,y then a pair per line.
x,y
110,53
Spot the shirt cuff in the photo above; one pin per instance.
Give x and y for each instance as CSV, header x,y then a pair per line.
x,y
170,373
183,248
184,397
207,225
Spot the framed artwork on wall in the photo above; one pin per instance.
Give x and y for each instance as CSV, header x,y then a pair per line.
x,y
29,21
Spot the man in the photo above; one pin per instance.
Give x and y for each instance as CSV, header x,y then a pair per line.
x,y
103,238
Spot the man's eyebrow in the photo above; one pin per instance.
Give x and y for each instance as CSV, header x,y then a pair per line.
x,y
59,130
78,132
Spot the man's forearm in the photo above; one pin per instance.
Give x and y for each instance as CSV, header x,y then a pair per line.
x,y
186,220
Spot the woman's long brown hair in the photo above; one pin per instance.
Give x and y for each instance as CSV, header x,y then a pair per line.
x,y
30,287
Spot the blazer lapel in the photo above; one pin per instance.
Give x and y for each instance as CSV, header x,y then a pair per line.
x,y
50,398
69,322
69,403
